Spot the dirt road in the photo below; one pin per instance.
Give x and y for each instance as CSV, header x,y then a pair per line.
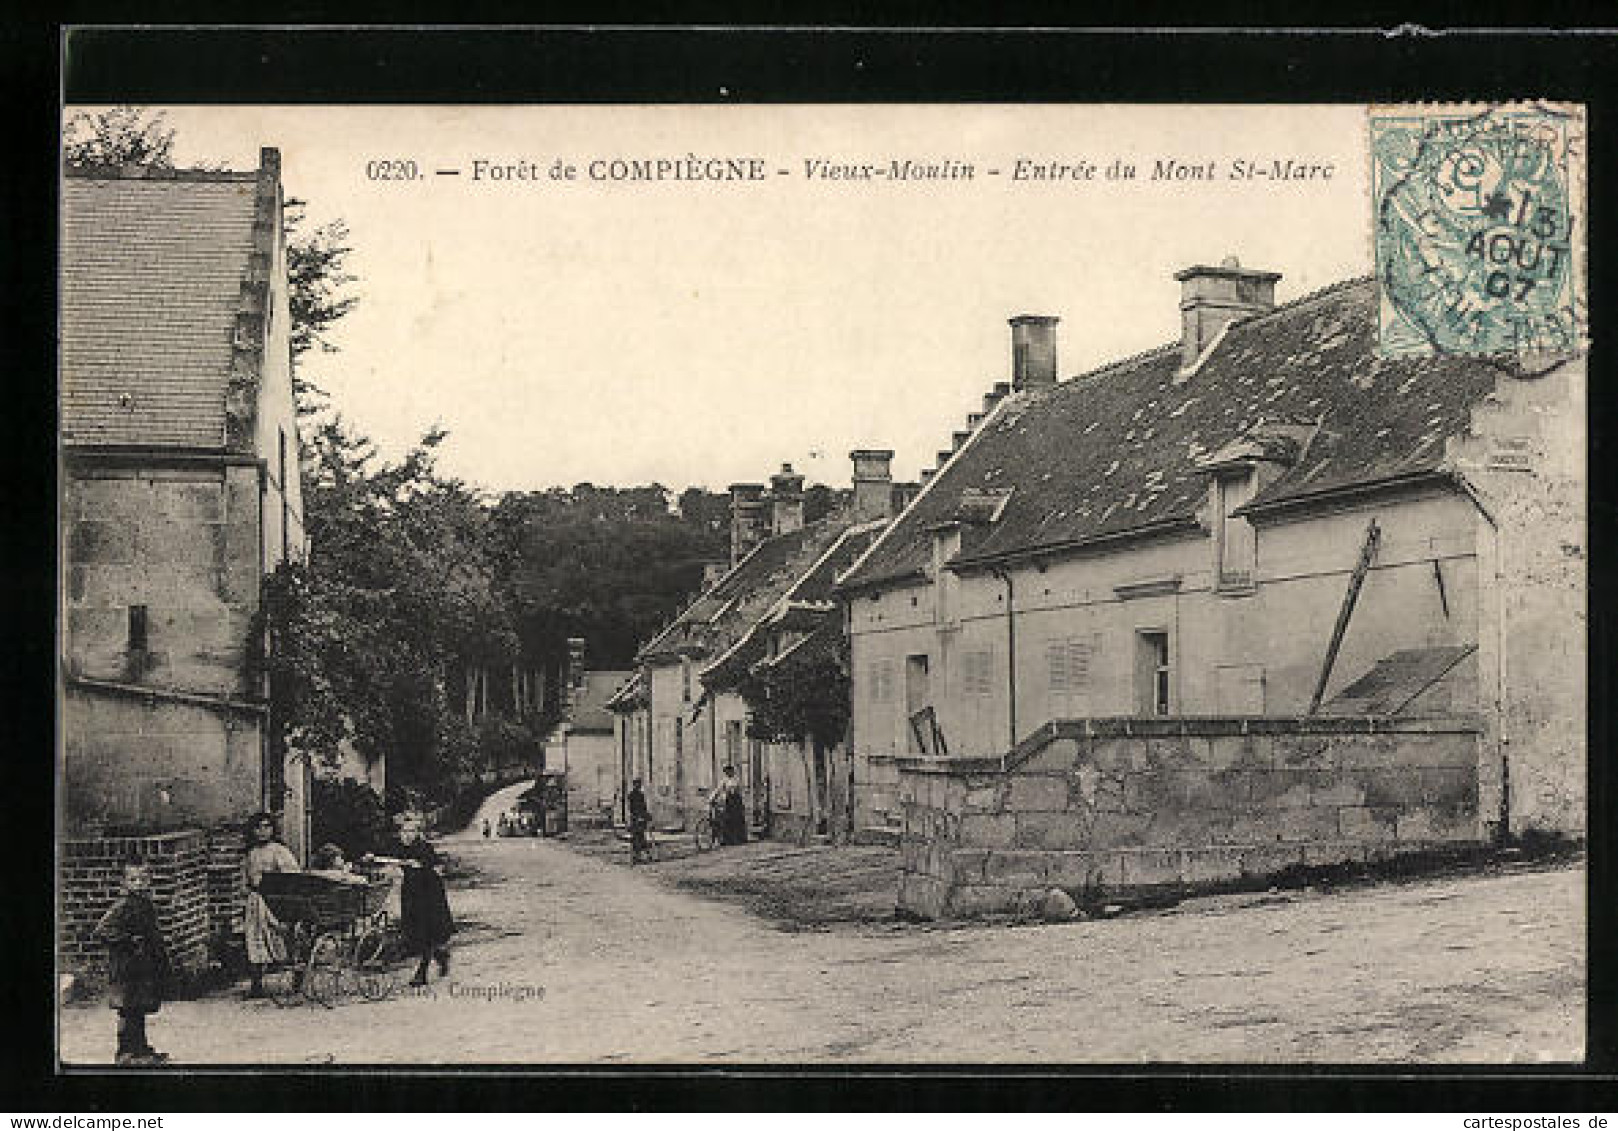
x,y
566,958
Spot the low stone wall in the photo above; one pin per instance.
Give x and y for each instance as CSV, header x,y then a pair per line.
x,y
876,795
92,878
1102,806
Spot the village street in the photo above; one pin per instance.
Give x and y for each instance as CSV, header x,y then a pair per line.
x,y
566,957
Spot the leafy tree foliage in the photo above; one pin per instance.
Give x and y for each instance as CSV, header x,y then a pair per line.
x,y
399,599
611,565
801,700
123,135
318,293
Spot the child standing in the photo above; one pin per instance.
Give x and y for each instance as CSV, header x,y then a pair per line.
x,y
259,927
137,965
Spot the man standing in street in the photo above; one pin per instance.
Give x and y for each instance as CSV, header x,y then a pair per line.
x,y
640,823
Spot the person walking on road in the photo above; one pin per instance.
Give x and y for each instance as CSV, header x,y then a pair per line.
x,y
426,923
640,823
137,965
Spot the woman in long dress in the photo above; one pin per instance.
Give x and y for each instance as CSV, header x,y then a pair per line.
x,y
265,854
733,810
425,921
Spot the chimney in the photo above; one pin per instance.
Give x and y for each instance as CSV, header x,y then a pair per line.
x,y
1033,351
1213,297
575,670
873,484
746,519
786,501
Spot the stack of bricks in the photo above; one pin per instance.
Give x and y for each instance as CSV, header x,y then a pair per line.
x,y
92,878
227,891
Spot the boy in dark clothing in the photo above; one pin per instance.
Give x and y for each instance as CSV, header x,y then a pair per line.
x,y
137,965
640,820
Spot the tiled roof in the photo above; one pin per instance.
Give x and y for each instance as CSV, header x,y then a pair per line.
x,y
799,606
713,621
1117,451
151,275
590,712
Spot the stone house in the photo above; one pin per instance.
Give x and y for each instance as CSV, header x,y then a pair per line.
x,y
685,705
180,493
1262,520
585,746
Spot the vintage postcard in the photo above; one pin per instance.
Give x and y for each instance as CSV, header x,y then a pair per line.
x,y
857,584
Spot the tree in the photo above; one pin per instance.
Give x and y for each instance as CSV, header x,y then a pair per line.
x,y
803,700
398,607
123,135
317,282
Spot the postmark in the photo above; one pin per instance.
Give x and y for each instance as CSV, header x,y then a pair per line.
x,y
1476,210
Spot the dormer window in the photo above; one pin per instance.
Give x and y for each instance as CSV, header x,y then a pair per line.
x,y
1235,544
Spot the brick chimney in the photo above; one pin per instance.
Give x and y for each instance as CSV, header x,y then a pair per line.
x,y
1213,297
1033,351
873,484
786,501
575,671
746,519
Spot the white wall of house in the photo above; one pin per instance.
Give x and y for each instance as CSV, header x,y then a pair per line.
x,y
1079,624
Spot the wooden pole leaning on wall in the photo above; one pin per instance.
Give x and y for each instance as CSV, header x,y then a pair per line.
x,y
1373,539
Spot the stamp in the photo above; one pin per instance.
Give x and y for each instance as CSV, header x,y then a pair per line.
x,y
1476,210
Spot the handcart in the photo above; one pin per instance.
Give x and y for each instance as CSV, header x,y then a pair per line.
x,y
336,935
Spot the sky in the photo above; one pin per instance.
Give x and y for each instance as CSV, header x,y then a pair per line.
x,y
705,332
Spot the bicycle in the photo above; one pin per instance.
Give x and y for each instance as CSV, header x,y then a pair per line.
x,y
707,831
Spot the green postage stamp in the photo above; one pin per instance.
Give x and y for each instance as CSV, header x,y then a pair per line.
x,y
1478,228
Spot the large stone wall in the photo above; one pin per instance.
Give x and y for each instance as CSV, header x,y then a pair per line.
x,y
1107,806
183,543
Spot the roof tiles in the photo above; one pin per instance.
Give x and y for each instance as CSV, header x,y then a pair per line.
x,y
1117,450
151,277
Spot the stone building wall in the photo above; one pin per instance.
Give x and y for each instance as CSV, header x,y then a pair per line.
x,y
162,578
92,878
1104,806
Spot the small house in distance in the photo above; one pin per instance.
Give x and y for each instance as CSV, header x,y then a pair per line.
x,y
1255,598
584,747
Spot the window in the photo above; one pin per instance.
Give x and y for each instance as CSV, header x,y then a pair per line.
x,y
1235,544
882,681
138,639
685,678
733,743
1069,664
1153,680
977,673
